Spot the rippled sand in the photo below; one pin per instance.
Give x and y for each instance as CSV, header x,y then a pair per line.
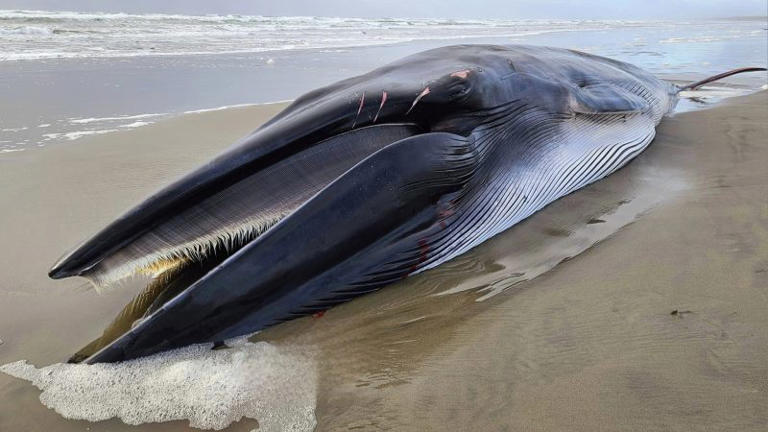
x,y
638,303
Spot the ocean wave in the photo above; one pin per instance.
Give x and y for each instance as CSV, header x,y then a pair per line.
x,y
49,16
25,30
266,45
31,35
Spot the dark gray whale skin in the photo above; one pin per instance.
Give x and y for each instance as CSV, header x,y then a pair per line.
x,y
361,183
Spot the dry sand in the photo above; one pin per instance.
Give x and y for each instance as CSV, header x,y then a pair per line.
x,y
576,329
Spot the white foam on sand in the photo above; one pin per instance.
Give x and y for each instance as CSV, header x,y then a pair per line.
x,y
136,124
71,136
220,108
226,107
105,119
210,388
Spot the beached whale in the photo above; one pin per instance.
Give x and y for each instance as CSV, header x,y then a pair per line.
x,y
364,182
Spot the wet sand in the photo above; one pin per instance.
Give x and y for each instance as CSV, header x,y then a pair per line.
x,y
637,303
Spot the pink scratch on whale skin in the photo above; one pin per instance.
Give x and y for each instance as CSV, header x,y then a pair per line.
x,y
418,98
463,74
383,99
359,110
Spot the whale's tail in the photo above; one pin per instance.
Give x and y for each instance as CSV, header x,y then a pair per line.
x,y
698,84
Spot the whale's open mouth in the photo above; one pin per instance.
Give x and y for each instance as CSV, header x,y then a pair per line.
x,y
193,226
168,280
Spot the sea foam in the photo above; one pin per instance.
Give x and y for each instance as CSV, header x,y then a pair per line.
x,y
210,388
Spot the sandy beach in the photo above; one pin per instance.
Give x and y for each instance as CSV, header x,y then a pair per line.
x,y
637,303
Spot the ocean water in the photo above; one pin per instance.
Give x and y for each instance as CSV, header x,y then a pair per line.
x,y
65,75
42,34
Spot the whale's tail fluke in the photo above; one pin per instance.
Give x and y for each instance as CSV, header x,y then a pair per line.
x,y
698,84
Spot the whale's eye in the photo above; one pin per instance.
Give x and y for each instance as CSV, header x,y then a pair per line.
x,y
459,91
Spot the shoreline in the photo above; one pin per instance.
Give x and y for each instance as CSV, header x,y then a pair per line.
x,y
157,118
709,97
54,92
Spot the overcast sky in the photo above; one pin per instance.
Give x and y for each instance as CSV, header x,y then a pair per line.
x,y
585,9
